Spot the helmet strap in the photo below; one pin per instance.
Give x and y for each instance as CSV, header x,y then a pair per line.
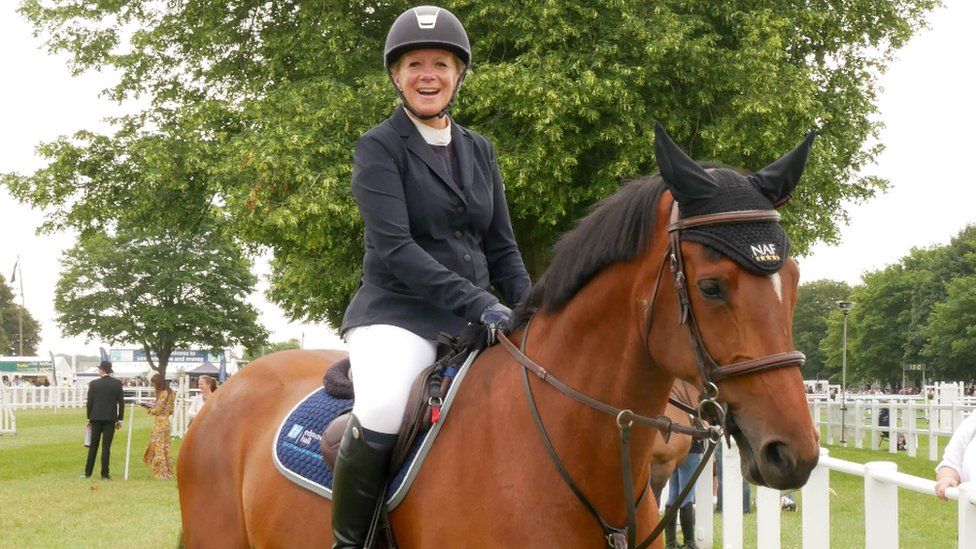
x,y
444,111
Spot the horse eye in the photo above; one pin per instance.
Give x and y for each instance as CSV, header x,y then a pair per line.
x,y
711,289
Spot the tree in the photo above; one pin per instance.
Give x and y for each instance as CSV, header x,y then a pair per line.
x,y
950,346
13,318
814,303
276,94
259,351
162,291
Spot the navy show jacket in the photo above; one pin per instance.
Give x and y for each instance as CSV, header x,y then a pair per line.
x,y
432,246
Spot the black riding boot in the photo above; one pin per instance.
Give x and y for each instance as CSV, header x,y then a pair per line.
x,y
688,526
358,480
671,532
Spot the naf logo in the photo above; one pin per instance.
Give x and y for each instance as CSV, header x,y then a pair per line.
x,y
764,252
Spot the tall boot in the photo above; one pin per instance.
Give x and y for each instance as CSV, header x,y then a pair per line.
x,y
671,531
687,514
358,479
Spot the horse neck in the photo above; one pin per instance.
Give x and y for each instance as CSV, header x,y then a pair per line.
x,y
595,345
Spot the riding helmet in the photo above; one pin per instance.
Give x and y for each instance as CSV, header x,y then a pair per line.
x,y
426,27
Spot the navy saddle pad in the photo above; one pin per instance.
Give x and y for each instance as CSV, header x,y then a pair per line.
x,y
298,455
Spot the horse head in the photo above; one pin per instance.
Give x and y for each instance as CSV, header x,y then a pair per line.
x,y
735,292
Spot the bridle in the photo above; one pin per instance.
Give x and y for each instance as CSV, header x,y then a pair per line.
x,y
709,410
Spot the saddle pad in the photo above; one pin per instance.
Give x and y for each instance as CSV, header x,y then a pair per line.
x,y
298,455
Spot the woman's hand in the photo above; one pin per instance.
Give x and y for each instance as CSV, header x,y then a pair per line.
x,y
947,478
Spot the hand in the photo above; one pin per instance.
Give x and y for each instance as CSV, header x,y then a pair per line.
x,y
89,423
944,484
496,317
118,425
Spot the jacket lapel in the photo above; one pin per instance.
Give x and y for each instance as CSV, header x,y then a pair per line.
x,y
464,148
416,144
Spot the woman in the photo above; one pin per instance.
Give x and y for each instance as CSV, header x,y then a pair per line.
x,y
959,459
207,387
437,234
157,453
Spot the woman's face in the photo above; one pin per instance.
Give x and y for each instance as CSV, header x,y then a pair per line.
x,y
427,79
202,384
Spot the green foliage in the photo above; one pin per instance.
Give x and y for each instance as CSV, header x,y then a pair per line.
x,y
261,350
161,289
14,318
922,309
263,102
814,303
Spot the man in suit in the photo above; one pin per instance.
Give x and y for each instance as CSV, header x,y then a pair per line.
x,y
106,407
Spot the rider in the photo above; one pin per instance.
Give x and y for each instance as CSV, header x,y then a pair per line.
x,y
437,233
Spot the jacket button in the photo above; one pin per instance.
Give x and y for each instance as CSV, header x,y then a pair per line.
x,y
467,257
460,209
457,234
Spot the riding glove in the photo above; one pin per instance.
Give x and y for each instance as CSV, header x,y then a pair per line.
x,y
496,317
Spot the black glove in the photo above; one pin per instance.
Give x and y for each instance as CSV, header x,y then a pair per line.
x,y
496,317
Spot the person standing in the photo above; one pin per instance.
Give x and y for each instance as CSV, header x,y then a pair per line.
x,y
686,508
157,453
106,409
437,236
207,387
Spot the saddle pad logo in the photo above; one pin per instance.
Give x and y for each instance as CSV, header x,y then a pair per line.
x,y
765,252
296,430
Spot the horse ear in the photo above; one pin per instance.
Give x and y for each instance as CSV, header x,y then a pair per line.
x,y
686,180
777,180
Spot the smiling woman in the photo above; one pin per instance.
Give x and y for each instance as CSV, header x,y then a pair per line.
x,y
437,236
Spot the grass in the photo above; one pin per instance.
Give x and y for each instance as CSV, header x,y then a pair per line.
x,y
44,503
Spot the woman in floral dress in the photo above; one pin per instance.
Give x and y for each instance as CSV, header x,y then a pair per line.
x,y
157,453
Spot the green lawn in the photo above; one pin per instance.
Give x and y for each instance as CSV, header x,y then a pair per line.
x,y
44,503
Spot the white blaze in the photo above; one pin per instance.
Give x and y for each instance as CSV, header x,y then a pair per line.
x,y
777,286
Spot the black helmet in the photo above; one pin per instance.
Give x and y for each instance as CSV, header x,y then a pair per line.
x,y
426,27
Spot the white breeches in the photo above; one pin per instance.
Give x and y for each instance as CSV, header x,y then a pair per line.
x,y
385,361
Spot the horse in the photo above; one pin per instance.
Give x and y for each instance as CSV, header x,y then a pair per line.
x,y
608,318
667,455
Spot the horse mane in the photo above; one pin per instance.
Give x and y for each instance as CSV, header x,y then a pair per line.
x,y
617,228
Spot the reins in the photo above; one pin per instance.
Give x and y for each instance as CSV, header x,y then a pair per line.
x,y
711,373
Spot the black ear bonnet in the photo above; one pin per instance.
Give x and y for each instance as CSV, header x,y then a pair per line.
x,y
759,247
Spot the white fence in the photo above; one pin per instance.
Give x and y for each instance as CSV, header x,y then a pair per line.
x,y
8,422
22,398
881,483
911,418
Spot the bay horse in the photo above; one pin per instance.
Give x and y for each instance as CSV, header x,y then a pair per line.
x,y
610,320
667,455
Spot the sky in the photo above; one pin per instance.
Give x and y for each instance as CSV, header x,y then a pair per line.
x,y
926,106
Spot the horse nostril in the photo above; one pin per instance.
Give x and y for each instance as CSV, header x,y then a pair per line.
x,y
779,455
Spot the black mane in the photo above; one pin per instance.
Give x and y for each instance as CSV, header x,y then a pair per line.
x,y
618,228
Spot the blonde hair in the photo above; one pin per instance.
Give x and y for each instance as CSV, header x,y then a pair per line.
x,y
458,64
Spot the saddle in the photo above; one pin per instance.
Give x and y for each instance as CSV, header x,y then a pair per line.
x,y
423,405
